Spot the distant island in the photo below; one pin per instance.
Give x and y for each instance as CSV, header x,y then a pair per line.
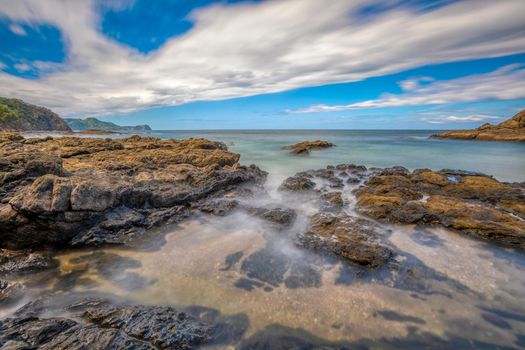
x,y
512,129
16,114
95,124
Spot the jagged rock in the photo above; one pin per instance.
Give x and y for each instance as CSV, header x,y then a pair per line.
x,y
468,202
24,261
299,182
86,191
333,199
351,238
219,207
10,292
306,146
281,216
104,323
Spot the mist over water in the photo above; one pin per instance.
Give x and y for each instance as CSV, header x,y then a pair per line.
x,y
242,265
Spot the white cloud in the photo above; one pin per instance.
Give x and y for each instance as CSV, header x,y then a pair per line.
x,y
17,29
459,119
503,84
22,67
253,48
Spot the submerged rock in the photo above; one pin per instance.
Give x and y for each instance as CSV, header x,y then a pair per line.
x,y
351,238
470,203
306,146
95,191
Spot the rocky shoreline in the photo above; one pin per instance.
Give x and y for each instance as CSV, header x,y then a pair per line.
x,y
512,129
77,192
73,193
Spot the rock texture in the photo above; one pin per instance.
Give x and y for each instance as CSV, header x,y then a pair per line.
x,y
18,115
101,324
467,202
512,129
306,146
24,261
354,239
83,191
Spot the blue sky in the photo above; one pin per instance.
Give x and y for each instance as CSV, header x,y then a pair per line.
x,y
243,64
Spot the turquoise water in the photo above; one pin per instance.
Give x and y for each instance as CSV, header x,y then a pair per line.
x,y
381,148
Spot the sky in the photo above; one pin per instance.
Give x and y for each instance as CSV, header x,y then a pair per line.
x,y
269,64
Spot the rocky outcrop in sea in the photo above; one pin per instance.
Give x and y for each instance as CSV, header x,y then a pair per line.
x,y
512,129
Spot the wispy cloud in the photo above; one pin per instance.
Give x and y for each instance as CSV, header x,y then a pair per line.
x,y
254,48
17,29
503,84
459,119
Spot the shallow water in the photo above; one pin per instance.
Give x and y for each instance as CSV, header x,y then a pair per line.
x,y
450,291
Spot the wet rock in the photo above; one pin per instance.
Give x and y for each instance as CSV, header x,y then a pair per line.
x,y
299,182
219,207
333,200
106,264
471,203
351,238
10,292
307,146
231,260
267,265
351,168
281,216
24,261
248,284
105,325
86,191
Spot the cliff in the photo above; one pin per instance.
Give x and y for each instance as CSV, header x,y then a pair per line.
x,y
18,115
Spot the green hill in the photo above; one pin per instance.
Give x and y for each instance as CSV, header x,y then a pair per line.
x,y
94,123
18,115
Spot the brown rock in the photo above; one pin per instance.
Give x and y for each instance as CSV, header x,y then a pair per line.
x,y
470,203
512,129
351,238
306,146
55,191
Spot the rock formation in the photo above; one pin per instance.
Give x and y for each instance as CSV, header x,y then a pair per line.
x,y
512,129
82,191
467,202
306,146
